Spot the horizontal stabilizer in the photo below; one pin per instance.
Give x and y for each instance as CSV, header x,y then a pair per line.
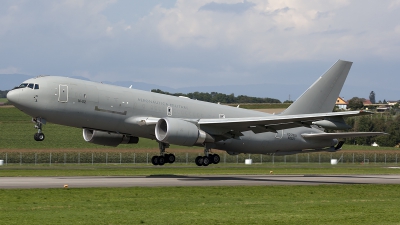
x,y
320,136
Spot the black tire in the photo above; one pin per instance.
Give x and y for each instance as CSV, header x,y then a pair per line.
x,y
199,160
166,158
211,158
40,136
206,161
215,159
161,160
169,158
154,160
35,136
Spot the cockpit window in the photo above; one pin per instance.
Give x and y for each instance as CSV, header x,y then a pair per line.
x,y
26,85
23,85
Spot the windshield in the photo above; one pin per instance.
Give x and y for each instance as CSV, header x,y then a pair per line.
x,y
30,85
23,85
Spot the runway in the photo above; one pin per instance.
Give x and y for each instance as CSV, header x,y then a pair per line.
x,y
169,181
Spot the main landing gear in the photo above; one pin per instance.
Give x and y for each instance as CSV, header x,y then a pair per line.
x,y
207,159
164,157
39,136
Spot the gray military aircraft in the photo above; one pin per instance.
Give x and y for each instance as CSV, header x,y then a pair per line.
x,y
112,115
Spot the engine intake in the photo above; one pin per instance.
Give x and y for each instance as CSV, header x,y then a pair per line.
x,y
108,139
180,132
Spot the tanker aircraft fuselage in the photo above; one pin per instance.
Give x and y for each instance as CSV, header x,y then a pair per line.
x,y
112,115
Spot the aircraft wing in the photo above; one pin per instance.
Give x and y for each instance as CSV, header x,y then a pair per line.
x,y
320,136
234,126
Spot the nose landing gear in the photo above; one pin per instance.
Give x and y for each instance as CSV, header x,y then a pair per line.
x,y
39,136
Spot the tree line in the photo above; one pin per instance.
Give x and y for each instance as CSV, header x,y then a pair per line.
x,y
216,97
3,94
382,122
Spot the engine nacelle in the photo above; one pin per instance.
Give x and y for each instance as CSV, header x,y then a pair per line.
x,y
180,132
108,139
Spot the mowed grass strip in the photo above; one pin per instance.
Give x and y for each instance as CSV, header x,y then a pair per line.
x,y
182,169
333,204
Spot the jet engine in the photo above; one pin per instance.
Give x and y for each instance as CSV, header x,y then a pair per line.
x,y
108,139
180,132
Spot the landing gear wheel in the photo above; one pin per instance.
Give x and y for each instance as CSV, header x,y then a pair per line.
x,y
214,158
206,161
161,160
169,158
199,160
154,160
38,137
210,157
163,157
41,136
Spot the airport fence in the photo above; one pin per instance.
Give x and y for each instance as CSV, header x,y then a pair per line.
x,y
59,158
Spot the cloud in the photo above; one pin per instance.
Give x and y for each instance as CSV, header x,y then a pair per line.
x,y
197,42
275,30
239,7
397,29
394,4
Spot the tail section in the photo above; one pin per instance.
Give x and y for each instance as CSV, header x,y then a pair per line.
x,y
322,95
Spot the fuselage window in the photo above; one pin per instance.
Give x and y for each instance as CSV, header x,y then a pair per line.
x,y
36,86
30,86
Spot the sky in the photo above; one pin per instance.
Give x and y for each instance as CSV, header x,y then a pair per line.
x,y
281,47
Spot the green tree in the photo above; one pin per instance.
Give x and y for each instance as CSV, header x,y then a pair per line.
x,y
355,103
3,94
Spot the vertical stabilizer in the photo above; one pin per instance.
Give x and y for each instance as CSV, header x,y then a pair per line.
x,y
322,95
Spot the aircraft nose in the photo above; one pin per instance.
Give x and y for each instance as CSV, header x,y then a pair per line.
x,y
13,96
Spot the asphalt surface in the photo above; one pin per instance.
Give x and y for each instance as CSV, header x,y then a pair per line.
x,y
216,180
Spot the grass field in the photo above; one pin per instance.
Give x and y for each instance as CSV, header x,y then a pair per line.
x,y
334,204
3,99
